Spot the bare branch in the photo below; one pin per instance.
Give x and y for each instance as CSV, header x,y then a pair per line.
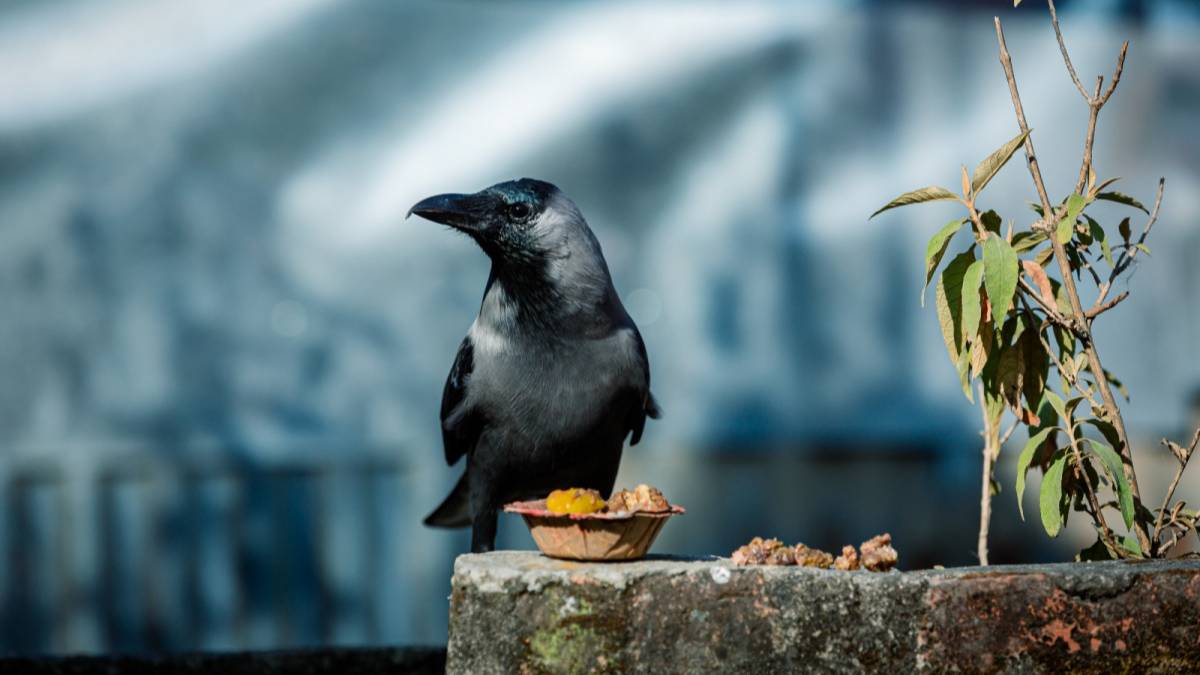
x,y
1030,156
1011,428
1116,77
1088,141
1183,456
991,448
1062,46
1051,312
1100,309
1094,100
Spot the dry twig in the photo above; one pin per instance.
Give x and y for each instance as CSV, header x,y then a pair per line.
x,y
1183,455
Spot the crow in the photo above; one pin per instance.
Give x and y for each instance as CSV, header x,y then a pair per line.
x,y
552,375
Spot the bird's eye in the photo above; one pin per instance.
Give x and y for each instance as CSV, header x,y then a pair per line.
x,y
518,211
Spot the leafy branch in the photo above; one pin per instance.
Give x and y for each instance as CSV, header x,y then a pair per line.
x,y
1008,322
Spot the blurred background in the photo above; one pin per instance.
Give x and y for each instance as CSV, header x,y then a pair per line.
x,y
222,345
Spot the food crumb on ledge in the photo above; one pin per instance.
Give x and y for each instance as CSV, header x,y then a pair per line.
x,y
812,557
848,560
764,552
878,554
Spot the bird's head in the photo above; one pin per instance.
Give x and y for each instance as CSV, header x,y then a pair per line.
x,y
518,221
544,256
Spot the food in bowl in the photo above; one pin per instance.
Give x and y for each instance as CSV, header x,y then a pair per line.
x,y
641,498
575,500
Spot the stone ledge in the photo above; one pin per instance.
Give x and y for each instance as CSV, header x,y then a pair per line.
x,y
519,612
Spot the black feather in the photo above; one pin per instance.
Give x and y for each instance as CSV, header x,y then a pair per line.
x,y
460,428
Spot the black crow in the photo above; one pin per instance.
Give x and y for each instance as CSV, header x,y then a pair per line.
x,y
553,375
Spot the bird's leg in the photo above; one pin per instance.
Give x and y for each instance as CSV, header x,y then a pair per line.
x,y
482,484
483,531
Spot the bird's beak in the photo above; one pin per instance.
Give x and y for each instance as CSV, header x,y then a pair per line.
x,y
462,212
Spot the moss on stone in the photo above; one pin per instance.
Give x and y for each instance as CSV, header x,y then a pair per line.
x,y
568,648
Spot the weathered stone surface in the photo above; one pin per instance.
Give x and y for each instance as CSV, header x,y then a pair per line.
x,y
518,612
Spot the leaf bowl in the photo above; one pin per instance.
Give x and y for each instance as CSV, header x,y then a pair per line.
x,y
619,535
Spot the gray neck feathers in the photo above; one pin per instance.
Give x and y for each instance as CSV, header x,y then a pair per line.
x,y
563,289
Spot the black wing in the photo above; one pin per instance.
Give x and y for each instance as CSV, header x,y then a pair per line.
x,y
460,428
644,405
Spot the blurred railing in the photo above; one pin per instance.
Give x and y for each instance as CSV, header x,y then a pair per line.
x,y
143,551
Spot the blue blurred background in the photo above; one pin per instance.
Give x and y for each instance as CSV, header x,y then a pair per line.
x,y
222,346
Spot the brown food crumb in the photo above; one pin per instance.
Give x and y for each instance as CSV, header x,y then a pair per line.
x,y
878,554
848,560
764,552
812,557
875,554
641,498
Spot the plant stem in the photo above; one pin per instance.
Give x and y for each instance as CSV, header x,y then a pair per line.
x,y
1079,322
991,449
1097,511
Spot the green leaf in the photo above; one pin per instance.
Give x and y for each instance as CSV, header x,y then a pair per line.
x,y
936,248
1073,403
1043,257
1025,241
1056,402
1144,248
994,406
1106,183
1099,235
971,309
1116,470
1061,300
1037,369
1122,199
988,168
948,301
1026,457
1123,228
991,221
1050,499
982,347
1107,430
1112,379
932,193
1066,226
1008,374
1130,543
1000,273
963,366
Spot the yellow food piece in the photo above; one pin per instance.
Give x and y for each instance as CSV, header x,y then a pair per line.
x,y
575,500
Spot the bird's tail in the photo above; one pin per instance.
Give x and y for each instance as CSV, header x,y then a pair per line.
x,y
455,509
